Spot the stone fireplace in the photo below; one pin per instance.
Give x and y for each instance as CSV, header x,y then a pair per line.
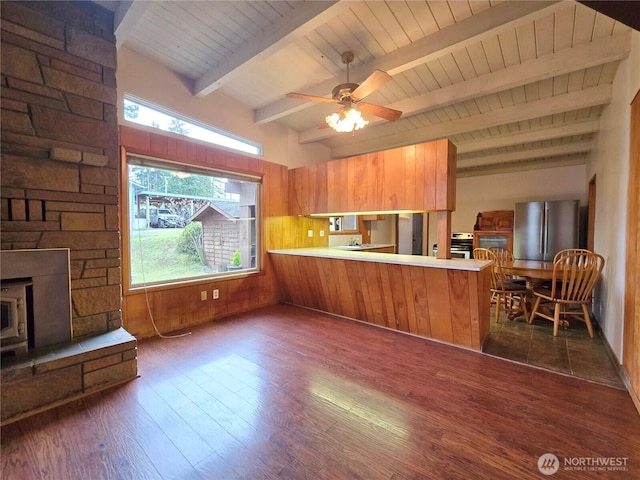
x,y
59,190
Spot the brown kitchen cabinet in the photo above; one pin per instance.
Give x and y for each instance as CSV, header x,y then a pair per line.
x,y
416,177
494,229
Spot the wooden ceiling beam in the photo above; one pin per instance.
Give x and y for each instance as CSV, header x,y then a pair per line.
x,y
126,17
534,135
457,36
306,17
520,155
589,97
580,57
521,166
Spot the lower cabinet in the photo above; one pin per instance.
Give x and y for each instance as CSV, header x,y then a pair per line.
x,y
448,305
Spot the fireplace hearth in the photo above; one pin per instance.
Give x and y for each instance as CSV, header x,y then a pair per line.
x,y
56,368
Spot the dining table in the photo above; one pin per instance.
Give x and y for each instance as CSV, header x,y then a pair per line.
x,y
534,270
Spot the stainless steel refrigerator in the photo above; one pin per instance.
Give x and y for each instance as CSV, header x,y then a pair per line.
x,y
541,229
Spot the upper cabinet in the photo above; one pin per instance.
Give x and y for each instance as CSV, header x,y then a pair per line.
x,y
497,220
494,229
417,177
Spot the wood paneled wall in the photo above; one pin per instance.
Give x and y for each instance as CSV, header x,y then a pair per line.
x,y
631,355
179,306
417,177
451,306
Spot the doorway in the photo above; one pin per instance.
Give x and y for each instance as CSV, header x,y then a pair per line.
x,y
409,233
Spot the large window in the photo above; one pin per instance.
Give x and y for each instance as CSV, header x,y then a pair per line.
x,y
186,223
144,113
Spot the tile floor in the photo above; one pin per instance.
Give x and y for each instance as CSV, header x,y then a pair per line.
x,y
572,352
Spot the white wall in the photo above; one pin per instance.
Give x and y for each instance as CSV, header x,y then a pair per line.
x,y
502,191
609,162
148,80
383,231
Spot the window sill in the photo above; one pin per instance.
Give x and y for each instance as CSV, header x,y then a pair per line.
x,y
171,285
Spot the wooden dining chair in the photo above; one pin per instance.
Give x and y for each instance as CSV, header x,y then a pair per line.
x,y
486,254
506,294
569,251
564,253
506,259
505,255
574,277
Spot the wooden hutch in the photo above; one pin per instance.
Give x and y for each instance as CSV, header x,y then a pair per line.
x,y
494,229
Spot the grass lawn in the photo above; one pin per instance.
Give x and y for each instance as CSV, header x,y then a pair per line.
x,y
155,257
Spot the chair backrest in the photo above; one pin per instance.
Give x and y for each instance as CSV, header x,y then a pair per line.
x,y
483,254
486,254
569,251
504,255
575,276
498,276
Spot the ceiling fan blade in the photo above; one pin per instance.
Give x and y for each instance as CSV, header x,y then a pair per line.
x,y
379,111
373,82
311,98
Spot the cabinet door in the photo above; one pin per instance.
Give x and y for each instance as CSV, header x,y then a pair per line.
x,y
493,239
488,241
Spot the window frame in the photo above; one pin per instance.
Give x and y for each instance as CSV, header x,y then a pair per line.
x,y
126,237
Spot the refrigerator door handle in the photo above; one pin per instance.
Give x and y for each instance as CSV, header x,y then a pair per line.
x,y
541,243
546,231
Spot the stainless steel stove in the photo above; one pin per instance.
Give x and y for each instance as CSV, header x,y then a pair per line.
x,y
461,245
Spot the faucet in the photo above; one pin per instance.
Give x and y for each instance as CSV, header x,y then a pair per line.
x,y
353,242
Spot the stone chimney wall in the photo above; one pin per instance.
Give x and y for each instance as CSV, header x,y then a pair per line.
x,y
60,148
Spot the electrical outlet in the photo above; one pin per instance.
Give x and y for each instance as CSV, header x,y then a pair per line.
x,y
216,294
322,233
203,295
310,233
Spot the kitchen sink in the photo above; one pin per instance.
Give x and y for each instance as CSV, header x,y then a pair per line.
x,y
364,246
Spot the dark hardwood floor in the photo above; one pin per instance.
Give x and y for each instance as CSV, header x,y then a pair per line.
x,y
286,393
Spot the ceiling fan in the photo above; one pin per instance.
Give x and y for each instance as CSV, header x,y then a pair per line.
x,y
350,95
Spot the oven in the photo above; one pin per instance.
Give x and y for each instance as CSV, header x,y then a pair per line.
x,y
461,245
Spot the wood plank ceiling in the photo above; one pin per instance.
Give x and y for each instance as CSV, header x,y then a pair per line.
x,y
514,84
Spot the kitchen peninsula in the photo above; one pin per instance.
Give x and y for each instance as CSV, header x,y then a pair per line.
x,y
444,300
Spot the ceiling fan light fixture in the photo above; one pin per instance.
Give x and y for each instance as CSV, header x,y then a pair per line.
x,y
347,120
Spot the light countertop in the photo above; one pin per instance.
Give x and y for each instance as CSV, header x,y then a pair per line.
x,y
364,246
364,256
